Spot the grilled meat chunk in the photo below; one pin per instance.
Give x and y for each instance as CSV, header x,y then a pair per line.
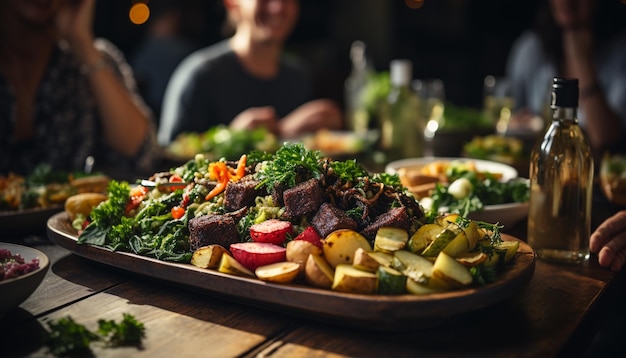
x,y
241,193
330,218
395,217
212,229
303,199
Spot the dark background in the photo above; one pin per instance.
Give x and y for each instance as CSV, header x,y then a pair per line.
x,y
458,41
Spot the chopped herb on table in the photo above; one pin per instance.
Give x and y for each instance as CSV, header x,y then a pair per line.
x,y
67,338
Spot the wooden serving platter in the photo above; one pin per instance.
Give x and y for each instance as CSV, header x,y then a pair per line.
x,y
371,312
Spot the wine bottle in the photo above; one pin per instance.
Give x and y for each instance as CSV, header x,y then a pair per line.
x,y
561,179
402,128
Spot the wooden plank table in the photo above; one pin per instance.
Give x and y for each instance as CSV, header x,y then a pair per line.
x,y
557,313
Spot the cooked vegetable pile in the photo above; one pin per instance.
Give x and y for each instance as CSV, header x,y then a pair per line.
x,y
497,148
45,187
221,141
295,216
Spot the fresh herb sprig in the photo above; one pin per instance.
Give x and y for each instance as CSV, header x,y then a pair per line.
x,y
289,162
348,170
67,337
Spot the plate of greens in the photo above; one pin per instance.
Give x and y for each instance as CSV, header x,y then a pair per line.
x,y
479,189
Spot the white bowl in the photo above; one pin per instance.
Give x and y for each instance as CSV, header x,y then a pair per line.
x,y
507,171
17,290
508,215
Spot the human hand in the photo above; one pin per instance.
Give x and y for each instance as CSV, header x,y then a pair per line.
x,y
74,23
310,117
256,117
609,241
524,120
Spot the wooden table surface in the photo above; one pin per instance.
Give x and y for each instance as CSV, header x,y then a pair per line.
x,y
557,314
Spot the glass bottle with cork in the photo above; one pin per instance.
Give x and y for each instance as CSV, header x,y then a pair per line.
x,y
402,128
561,183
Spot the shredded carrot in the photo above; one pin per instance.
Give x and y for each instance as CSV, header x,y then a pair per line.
x,y
215,191
241,167
220,172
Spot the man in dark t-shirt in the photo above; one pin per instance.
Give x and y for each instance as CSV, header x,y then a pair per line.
x,y
247,81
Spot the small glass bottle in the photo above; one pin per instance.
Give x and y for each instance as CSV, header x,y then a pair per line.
x,y
561,180
402,129
357,117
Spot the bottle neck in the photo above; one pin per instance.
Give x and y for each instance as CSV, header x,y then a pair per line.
x,y
565,114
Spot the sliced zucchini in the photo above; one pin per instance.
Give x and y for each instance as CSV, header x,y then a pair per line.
x,y
390,281
390,239
412,265
423,236
442,239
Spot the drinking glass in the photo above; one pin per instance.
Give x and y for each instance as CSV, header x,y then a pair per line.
x,y
432,95
498,102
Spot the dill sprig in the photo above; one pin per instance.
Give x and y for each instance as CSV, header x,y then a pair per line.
x,y
493,230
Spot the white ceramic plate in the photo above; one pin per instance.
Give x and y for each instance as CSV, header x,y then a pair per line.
x,y
17,290
508,215
507,171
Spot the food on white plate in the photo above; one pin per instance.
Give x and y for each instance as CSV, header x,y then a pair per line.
x,y
460,187
297,217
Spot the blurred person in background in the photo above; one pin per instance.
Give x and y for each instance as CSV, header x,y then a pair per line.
x,y
172,28
65,96
574,39
247,81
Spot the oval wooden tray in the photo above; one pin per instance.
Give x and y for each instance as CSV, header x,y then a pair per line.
x,y
371,312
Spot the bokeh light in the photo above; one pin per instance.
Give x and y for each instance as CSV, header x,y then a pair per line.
x,y
416,4
139,13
